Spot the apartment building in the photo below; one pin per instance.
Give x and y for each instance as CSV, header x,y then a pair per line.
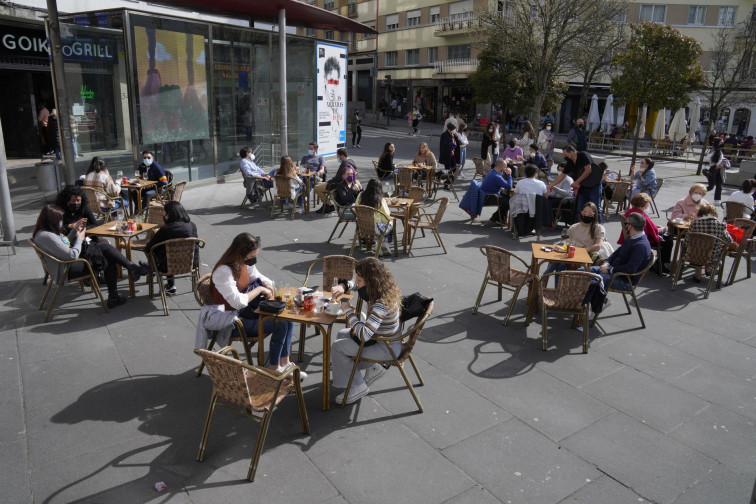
x,y
422,55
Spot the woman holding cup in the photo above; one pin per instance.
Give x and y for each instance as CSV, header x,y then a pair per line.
x,y
373,282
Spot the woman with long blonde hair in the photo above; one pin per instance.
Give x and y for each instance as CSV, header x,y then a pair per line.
x,y
286,170
374,283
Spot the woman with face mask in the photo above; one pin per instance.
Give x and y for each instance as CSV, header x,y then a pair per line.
x,y
237,284
75,207
347,188
546,142
65,244
588,234
488,141
177,225
657,236
645,178
687,208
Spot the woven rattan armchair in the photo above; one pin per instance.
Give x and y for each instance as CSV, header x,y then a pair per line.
x,y
254,182
408,339
697,251
252,391
447,179
283,193
404,180
428,217
96,198
567,297
734,210
344,214
565,212
153,215
87,274
620,193
628,278
179,261
204,296
387,180
501,273
659,184
482,167
366,233
744,248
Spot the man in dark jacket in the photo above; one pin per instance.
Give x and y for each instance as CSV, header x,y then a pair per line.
x,y
632,256
449,152
177,225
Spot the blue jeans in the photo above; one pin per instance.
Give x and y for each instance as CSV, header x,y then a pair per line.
x,y
586,194
619,283
462,156
280,341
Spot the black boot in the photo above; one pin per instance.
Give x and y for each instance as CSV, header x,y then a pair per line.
x,y
114,299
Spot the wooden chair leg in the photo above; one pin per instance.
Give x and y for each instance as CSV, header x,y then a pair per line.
x,y
52,301
354,241
209,348
417,371
410,387
511,305
480,294
544,321
44,296
302,336
261,435
208,426
585,329
303,419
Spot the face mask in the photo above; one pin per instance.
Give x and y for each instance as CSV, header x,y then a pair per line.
x,y
362,292
548,128
696,197
60,224
250,262
580,126
252,157
511,145
310,152
350,178
532,154
147,162
74,207
586,219
490,131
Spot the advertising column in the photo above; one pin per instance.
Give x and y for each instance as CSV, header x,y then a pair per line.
x,y
331,92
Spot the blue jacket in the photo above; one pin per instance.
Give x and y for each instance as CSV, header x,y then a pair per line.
x,y
155,173
495,182
645,182
472,201
632,256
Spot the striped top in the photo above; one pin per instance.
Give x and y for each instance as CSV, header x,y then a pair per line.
x,y
104,182
379,322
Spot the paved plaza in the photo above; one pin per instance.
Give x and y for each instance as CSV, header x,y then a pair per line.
x,y
98,407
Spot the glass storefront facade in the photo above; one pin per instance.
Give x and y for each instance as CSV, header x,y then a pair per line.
x,y
192,93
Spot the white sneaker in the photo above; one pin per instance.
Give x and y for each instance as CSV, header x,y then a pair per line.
x,y
355,394
282,369
373,373
358,146
300,210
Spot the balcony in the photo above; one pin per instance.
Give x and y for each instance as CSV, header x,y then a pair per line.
x,y
455,66
456,24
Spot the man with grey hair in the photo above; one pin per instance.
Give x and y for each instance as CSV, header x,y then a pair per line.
x,y
632,256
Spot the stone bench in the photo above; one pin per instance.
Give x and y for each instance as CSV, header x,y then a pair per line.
x,y
747,170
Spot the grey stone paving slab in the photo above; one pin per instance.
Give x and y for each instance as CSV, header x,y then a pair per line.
x,y
13,423
404,459
125,471
10,371
723,387
473,495
604,490
42,346
448,404
720,486
653,358
722,351
722,435
548,405
14,478
655,403
718,322
496,459
640,457
587,372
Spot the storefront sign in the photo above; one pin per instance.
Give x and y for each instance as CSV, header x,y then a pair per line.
x,y
29,41
86,94
331,67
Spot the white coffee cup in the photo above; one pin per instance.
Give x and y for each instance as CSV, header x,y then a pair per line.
x,y
333,309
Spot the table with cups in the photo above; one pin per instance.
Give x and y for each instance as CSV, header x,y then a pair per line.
x,y
404,204
678,228
135,187
311,308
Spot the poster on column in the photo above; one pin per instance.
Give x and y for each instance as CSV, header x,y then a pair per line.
x,y
331,92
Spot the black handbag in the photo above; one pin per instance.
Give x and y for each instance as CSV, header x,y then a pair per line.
x,y
271,306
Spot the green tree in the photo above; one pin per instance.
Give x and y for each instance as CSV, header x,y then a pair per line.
x,y
532,40
732,77
660,68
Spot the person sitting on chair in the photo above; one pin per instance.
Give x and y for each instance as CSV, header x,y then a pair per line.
x,y
314,161
498,181
538,159
151,170
384,307
657,235
530,184
632,256
255,179
177,225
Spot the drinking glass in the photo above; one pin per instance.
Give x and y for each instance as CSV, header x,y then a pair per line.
x,y
136,174
119,175
318,298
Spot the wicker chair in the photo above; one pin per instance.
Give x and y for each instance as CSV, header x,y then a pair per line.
x,y
266,191
365,218
501,274
153,215
283,193
620,193
734,210
171,192
697,250
388,180
482,167
567,297
179,261
659,183
447,179
251,391
426,218
408,339
746,243
404,180
334,267
628,277
204,296
95,197
344,213
87,274
565,211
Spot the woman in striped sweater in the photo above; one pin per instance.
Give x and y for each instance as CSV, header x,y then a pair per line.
x,y
373,282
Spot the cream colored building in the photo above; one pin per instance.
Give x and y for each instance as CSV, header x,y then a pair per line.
x,y
422,55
